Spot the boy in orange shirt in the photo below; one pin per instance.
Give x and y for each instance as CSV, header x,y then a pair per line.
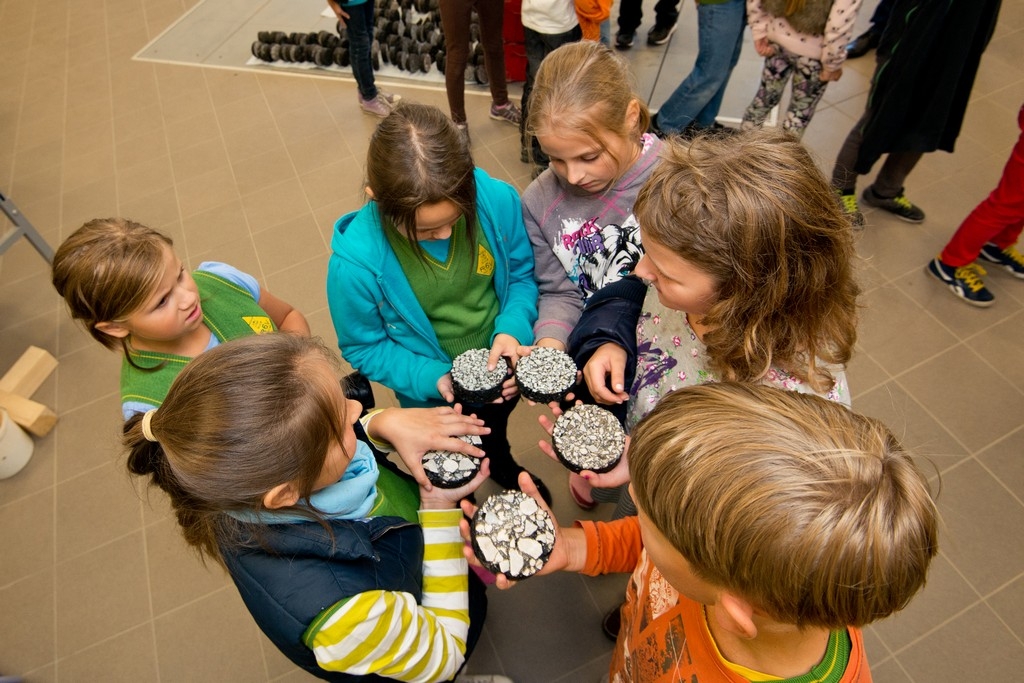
x,y
771,526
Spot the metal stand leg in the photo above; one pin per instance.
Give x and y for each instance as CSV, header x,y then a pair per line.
x,y
22,228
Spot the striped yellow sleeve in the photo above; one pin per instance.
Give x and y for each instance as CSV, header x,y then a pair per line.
x,y
388,633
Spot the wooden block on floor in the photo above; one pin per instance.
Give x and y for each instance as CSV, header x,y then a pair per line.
x,y
34,417
28,372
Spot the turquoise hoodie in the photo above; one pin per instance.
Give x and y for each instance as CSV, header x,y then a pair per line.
x,y
382,330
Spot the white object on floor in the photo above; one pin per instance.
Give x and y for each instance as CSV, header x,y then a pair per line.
x,y
15,446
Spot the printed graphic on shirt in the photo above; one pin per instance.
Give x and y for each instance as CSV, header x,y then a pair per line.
x,y
260,324
484,261
594,255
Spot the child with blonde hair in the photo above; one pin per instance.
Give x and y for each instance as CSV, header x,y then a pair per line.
x,y
772,526
435,264
352,571
124,283
579,213
800,39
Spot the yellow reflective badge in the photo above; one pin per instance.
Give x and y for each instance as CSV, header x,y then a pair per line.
x,y
484,261
260,324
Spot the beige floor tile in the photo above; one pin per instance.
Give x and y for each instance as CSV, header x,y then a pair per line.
x,y
294,241
957,407
240,254
886,310
996,653
210,228
26,524
77,456
28,603
979,515
90,200
128,656
177,576
101,594
94,509
1008,604
85,376
275,204
213,638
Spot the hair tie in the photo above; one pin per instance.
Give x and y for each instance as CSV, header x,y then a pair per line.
x,y
147,430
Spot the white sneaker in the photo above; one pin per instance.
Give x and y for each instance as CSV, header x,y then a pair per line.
x,y
389,97
378,106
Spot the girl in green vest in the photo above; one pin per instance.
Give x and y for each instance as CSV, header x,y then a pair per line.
x,y
129,289
436,263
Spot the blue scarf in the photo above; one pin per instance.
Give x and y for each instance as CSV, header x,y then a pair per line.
x,y
351,497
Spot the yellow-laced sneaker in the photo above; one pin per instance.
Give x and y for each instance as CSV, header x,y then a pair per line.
x,y
1009,258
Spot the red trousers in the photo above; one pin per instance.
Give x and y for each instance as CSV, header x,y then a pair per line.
x,y
999,218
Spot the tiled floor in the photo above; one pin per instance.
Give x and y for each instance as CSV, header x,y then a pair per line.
x,y
252,169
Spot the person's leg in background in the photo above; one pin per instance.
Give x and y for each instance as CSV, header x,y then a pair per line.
x,y
631,13
990,232
776,71
698,99
492,17
455,25
666,14
808,89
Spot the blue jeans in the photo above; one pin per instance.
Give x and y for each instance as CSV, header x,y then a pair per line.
x,y
360,35
719,40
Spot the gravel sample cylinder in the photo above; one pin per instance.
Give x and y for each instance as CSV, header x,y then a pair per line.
x,y
512,535
588,437
472,381
450,470
545,375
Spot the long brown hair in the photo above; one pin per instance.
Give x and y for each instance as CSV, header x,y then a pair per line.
x,y
240,419
417,156
754,211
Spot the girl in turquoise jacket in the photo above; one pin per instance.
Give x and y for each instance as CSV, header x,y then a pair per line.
x,y
436,263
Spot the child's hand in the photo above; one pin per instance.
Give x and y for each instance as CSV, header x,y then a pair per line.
x,y
569,553
763,47
827,75
437,498
509,389
504,346
338,12
414,431
445,387
607,367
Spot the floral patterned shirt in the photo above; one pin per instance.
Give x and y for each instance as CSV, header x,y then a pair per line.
x,y
670,356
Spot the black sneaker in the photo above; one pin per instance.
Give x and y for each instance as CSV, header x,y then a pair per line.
x,y
624,40
659,35
848,203
964,281
1009,258
899,205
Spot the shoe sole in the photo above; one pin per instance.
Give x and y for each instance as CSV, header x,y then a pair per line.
x,y
956,292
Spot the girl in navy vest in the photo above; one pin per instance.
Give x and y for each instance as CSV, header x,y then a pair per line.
x,y
351,570
129,289
436,263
